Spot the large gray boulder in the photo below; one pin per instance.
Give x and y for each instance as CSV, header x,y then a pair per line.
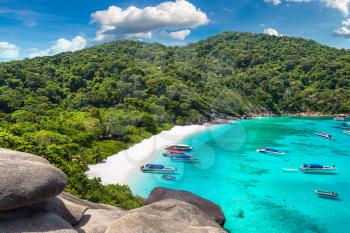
x,y
97,220
67,210
166,216
18,221
211,209
27,179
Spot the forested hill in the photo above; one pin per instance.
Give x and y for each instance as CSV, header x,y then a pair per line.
x,y
78,108
233,73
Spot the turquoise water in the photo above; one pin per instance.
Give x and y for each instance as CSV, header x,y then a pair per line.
x,y
253,191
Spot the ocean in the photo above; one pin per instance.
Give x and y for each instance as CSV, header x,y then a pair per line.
x,y
256,195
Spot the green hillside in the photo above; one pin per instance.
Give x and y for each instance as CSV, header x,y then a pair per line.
x,y
78,108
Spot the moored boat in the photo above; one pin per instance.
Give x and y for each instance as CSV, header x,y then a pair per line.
x,y
184,158
324,135
326,194
181,147
317,168
269,150
157,168
170,153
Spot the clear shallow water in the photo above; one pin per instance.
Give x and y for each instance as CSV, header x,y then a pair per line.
x,y
232,174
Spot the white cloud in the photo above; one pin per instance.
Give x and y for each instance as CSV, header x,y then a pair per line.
x,y
271,32
341,5
177,35
61,45
274,2
300,1
344,31
346,22
8,51
116,22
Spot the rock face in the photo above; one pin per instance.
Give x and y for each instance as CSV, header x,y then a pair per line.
x,y
97,220
27,179
31,200
166,216
212,210
23,221
69,211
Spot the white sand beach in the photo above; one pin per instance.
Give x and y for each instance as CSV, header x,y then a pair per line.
x,y
119,167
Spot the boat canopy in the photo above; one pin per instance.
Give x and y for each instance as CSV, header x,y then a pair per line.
x,y
154,166
182,145
313,165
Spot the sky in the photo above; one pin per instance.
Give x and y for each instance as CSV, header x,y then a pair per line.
x,y
30,28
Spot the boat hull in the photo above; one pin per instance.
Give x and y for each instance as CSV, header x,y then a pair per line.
x,y
319,171
158,171
185,160
181,149
327,195
270,152
325,136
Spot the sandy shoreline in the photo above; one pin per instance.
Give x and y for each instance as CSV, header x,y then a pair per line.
x,y
120,167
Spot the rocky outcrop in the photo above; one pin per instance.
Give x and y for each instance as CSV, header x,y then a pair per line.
x,y
69,211
97,220
165,216
17,221
212,210
29,203
145,223
27,179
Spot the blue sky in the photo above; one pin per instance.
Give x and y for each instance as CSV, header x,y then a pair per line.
x,y
31,28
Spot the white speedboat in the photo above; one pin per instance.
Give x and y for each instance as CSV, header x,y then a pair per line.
x,y
325,194
157,168
269,150
181,147
324,135
317,168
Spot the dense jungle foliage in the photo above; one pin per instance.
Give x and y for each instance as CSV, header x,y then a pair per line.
x,y
78,108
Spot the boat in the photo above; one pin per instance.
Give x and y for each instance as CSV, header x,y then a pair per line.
x,y
157,168
169,177
333,195
172,152
184,158
169,154
339,118
290,169
181,147
324,135
346,132
269,150
317,168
